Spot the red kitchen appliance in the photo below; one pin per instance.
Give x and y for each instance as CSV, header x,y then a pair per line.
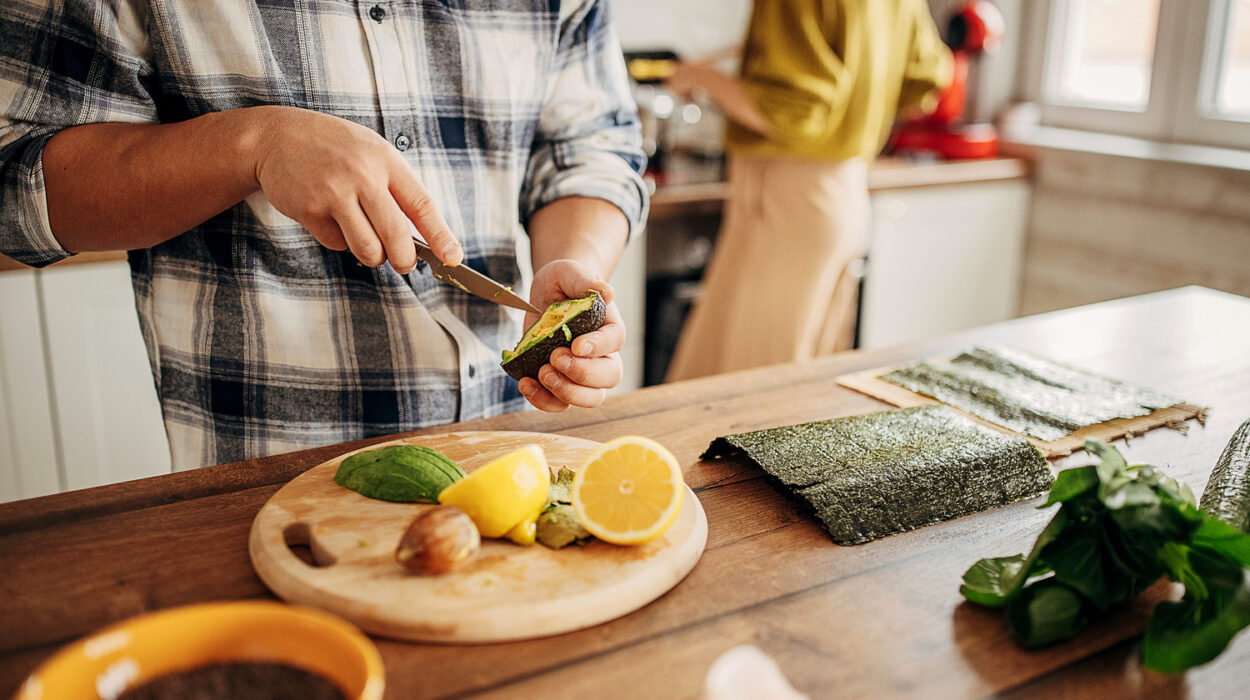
x,y
976,28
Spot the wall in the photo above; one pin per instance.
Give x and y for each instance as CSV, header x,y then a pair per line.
x,y
688,27
1115,216
1107,226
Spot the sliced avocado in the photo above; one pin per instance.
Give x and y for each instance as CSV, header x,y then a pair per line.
x,y
557,327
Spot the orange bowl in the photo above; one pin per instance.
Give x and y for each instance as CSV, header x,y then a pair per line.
x,y
134,651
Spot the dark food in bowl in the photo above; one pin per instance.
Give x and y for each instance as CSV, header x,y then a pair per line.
x,y
237,681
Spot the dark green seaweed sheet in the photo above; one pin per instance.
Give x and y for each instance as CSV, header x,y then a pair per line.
x,y
882,473
1027,394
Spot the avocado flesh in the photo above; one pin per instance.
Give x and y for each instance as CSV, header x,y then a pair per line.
x,y
554,317
557,327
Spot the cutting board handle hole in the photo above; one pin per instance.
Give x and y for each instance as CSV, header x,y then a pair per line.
x,y
299,539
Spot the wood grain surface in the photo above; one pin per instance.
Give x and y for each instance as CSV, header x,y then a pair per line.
x,y
507,592
879,620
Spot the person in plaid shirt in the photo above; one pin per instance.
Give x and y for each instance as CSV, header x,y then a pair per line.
x,y
264,162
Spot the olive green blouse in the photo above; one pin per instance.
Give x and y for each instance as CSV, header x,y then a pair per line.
x,y
830,75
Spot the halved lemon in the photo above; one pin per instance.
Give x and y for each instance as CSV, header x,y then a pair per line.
x,y
628,491
505,497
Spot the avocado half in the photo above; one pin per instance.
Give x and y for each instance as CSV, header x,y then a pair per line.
x,y
556,328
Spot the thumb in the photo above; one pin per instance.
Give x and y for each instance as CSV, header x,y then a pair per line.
x,y
574,281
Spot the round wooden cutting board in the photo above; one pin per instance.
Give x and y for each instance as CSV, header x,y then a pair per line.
x,y
507,592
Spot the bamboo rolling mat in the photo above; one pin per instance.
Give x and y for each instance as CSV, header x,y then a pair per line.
x,y
869,382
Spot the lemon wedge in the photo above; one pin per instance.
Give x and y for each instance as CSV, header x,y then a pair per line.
x,y
524,532
629,491
505,497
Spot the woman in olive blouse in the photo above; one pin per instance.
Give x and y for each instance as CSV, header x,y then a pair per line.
x,y
820,85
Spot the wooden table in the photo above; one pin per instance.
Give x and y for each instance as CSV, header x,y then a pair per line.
x,y
883,619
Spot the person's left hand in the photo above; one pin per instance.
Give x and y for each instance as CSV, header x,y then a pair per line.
x,y
582,374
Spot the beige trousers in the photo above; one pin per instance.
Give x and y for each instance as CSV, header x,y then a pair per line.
x,y
781,285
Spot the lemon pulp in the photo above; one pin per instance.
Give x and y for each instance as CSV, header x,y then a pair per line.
x,y
629,491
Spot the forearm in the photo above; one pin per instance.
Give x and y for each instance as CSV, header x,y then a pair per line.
x,y
114,186
731,96
575,244
726,91
590,231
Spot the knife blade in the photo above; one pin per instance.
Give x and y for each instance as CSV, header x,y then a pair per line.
x,y
471,281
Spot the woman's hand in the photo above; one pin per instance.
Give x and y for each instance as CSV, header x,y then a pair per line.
x,y
349,187
582,374
702,80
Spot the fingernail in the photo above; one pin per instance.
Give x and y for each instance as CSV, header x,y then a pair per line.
x,y
528,388
453,251
588,349
562,362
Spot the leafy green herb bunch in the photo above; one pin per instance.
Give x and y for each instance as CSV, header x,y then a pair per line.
x,y
1119,528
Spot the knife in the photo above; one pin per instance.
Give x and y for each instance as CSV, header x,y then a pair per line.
x,y
471,281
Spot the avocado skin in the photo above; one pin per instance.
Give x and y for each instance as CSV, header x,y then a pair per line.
x,y
529,362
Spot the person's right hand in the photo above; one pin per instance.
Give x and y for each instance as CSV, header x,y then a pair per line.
x,y
349,187
690,80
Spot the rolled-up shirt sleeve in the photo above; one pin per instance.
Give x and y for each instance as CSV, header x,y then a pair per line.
x,y
801,80
588,141
62,64
929,64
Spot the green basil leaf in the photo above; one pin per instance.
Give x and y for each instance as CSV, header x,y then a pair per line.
x,y
993,582
1180,569
1076,557
1134,553
1158,521
1166,486
1130,494
1193,631
1071,483
1219,536
1047,612
1111,468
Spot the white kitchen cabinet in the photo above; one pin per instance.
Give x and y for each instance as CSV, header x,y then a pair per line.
x,y
29,464
943,258
105,409
629,285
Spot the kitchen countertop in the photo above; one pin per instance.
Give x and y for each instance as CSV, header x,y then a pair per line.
x,y
696,185
874,620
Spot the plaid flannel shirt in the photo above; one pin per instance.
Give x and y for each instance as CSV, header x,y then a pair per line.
x,y
261,341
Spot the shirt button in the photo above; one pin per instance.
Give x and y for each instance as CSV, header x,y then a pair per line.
x,y
472,370
402,142
377,13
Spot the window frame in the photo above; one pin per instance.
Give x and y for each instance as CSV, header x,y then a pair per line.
x,y
1204,34
1187,44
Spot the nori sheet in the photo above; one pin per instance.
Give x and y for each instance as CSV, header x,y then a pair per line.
x,y
882,473
1027,394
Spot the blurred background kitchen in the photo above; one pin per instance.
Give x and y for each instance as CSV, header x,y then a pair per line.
x,y
1103,150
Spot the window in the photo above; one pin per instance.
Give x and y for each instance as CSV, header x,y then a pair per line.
x,y
1168,70
1102,53
1230,70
